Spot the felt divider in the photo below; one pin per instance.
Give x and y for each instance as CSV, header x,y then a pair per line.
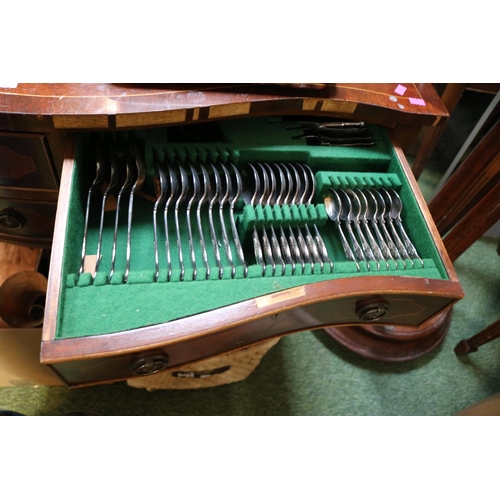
x,y
284,216
141,301
353,180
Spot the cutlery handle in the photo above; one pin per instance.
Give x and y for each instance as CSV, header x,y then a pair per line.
x,y
408,244
345,245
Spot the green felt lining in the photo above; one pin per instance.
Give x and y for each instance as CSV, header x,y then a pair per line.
x,y
142,301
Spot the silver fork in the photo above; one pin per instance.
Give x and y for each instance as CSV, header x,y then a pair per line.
x,y
182,196
130,176
114,178
174,189
99,179
136,157
160,199
193,198
201,201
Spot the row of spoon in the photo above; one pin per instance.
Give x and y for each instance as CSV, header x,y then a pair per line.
x,y
372,220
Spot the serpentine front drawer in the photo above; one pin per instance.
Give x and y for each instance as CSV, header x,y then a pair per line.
x,y
175,245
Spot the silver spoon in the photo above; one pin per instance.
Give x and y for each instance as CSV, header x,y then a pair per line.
x,y
399,244
272,192
382,217
346,216
333,207
319,240
356,212
279,200
304,200
372,216
396,208
363,216
266,243
294,246
306,255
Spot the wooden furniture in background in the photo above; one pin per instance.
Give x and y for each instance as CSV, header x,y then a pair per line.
x,y
450,97
469,203
466,207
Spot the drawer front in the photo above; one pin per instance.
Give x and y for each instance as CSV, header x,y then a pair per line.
x,y
189,343
25,162
26,222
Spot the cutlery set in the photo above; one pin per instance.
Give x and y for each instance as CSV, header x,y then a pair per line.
x,y
212,219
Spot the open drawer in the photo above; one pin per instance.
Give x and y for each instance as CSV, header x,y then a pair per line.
x,y
227,235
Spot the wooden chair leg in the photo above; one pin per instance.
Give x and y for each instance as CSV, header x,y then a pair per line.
x,y
490,333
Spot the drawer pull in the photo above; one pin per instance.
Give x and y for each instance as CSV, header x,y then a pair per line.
x,y
149,365
10,219
372,310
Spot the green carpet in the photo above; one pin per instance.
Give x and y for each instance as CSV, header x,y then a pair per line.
x,y
310,374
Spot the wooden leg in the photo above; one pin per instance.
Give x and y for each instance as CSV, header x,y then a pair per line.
x,y
490,333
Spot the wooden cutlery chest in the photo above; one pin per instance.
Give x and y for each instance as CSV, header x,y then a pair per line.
x,y
226,234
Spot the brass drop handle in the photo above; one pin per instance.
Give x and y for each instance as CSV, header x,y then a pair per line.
x,y
10,219
147,365
372,310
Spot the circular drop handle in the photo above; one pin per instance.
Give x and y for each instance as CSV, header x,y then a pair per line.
x,y
148,365
372,310
10,219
